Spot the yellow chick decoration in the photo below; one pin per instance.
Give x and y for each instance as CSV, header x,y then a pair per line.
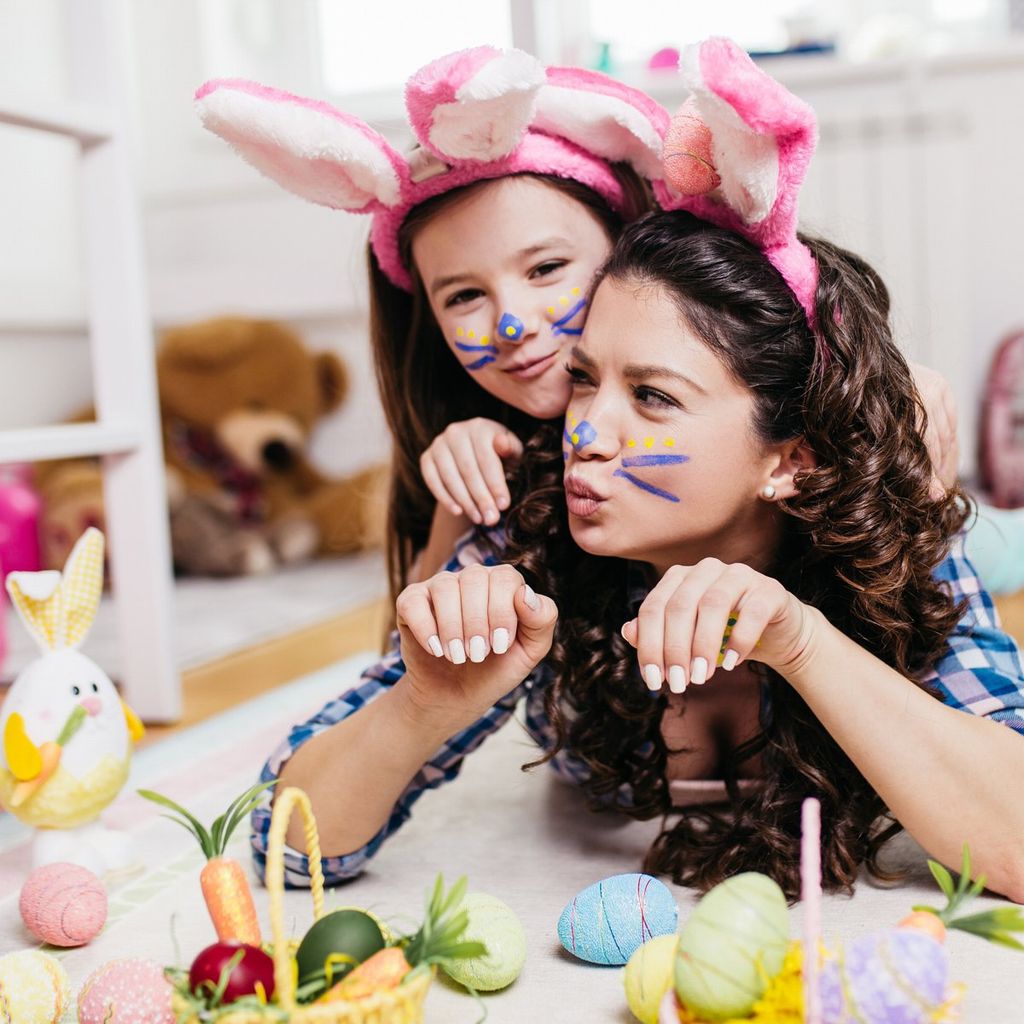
x,y
67,735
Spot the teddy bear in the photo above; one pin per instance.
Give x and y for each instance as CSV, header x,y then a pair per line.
x,y
239,398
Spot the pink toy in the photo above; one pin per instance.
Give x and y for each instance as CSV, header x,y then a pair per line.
x,y
126,992
19,520
478,114
63,904
762,139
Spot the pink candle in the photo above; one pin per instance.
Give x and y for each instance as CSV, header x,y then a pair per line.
x,y
810,894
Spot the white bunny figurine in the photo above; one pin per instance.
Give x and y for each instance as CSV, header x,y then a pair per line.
x,y
67,735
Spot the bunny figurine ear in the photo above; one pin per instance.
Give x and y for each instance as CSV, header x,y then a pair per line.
x,y
309,147
604,117
737,153
82,587
37,597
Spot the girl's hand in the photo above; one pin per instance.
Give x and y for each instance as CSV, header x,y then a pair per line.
x,y
464,468
940,435
471,637
680,631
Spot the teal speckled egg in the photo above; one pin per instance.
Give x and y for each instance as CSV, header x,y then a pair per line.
x,y
610,920
495,925
733,942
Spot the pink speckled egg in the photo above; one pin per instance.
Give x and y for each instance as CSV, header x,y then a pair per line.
x,y
126,992
688,160
63,904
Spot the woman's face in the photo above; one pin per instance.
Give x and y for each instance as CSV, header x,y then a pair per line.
x,y
506,271
662,464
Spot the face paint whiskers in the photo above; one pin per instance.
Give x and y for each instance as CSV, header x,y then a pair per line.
x,y
649,461
470,343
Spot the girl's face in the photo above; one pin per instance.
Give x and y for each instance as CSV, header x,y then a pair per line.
x,y
506,272
662,464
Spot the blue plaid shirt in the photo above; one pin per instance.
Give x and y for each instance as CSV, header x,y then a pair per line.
x,y
980,673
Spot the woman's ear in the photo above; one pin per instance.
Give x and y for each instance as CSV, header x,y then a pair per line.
x,y
793,457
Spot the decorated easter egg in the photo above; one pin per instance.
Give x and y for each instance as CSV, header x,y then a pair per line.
x,y
252,974
495,924
34,988
688,158
648,976
893,977
731,945
63,904
610,920
338,942
129,991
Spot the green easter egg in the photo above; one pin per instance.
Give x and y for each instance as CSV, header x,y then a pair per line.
x,y
648,976
732,944
495,925
342,933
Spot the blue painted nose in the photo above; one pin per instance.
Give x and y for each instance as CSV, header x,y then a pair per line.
x,y
510,327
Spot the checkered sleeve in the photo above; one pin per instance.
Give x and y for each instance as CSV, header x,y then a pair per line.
x,y
444,766
980,672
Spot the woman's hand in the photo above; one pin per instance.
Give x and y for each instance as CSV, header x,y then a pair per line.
x,y
471,637
464,468
680,632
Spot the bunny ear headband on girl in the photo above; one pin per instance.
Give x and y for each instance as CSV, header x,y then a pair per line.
x,y
736,155
477,114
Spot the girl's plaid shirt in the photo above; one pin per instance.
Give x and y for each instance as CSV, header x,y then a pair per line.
x,y
980,673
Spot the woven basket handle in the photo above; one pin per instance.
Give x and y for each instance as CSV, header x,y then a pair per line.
x,y
285,803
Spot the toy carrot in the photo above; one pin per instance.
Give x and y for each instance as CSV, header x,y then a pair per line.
x,y
439,939
994,925
225,886
49,757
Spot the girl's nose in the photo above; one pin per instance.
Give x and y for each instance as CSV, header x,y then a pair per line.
x,y
510,327
92,705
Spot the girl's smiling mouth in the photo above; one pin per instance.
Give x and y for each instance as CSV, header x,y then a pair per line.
x,y
527,369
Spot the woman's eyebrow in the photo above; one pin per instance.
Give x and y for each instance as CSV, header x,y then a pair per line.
x,y
638,371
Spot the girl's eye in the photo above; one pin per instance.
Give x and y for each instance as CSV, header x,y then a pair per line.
x,y
547,268
461,298
655,398
579,377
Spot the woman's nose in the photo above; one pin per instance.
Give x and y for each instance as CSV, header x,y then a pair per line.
x,y
586,438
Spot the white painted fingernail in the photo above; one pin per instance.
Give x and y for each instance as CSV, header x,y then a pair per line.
x,y
530,597
730,660
434,643
499,640
676,678
652,677
699,670
456,652
491,516
477,649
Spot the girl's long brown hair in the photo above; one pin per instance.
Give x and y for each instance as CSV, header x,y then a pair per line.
x,y
862,538
423,387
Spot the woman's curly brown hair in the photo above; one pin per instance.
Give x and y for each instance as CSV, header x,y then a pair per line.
x,y
862,539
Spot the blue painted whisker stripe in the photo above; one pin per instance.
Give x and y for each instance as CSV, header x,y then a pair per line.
x,y
655,460
477,348
644,486
558,327
482,361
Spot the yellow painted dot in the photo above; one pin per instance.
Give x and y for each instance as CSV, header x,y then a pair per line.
x,y
575,291
572,420
551,310
670,442
484,340
461,333
631,443
575,437
472,334
648,442
563,300
510,331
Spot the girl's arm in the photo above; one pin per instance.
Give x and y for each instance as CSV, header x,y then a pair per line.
x,y
445,530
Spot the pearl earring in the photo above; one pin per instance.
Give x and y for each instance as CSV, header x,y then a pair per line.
x,y
767,492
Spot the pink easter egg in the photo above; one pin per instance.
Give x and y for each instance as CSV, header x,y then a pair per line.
x,y
63,904
688,161
127,991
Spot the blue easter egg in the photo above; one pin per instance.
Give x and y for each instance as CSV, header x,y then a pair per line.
x,y
610,920
898,976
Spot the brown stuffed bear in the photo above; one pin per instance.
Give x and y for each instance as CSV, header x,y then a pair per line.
x,y
238,400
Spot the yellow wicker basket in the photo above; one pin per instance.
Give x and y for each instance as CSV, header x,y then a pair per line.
x,y
402,1005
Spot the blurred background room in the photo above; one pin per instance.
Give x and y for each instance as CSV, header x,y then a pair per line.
x,y
124,224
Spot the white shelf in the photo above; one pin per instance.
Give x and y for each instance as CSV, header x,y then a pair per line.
x,y
66,441
86,123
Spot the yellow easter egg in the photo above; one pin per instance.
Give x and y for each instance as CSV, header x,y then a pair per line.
x,y
34,988
648,976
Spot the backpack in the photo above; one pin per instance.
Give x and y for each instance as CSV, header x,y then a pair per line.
x,y
1002,425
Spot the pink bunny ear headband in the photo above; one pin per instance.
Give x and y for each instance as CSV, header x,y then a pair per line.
x,y
477,114
736,155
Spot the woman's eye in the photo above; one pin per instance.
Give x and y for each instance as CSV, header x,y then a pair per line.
x,y
547,268
654,397
578,376
461,298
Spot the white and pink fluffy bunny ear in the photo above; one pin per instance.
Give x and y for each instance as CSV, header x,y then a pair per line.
x,y
307,146
737,153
